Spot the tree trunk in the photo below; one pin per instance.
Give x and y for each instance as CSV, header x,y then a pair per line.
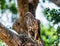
x,y
27,20
27,5
22,6
32,4
26,26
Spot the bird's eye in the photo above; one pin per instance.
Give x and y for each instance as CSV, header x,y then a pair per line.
x,y
18,23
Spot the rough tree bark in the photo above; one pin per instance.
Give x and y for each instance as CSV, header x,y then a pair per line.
x,y
23,27
32,4
27,5
8,37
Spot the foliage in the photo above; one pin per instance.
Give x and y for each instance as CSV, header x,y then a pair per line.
x,y
2,43
58,29
48,35
52,15
12,8
5,6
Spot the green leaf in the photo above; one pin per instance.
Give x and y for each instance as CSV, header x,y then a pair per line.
x,y
13,9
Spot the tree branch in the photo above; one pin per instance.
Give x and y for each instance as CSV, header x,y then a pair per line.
x,y
12,39
9,37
